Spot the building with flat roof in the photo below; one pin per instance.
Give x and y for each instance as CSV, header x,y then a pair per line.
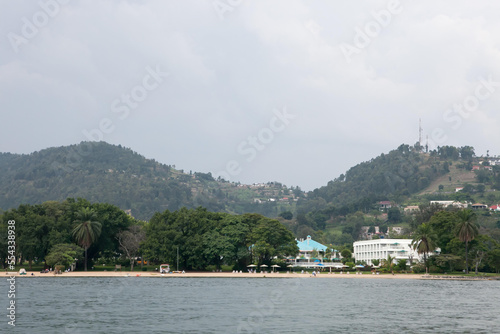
x,y
379,249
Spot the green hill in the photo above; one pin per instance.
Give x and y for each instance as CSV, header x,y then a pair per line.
x,y
100,172
405,176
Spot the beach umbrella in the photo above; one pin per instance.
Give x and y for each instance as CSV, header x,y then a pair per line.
x,y
263,265
252,265
275,266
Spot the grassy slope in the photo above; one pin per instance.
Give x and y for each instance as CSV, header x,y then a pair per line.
x,y
459,177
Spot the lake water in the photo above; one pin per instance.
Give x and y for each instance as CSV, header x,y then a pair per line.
x,y
251,305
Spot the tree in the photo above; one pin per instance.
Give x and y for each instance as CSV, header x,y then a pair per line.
x,y
466,152
87,231
467,230
425,212
479,248
328,253
443,224
446,261
376,262
424,241
288,215
394,216
130,241
494,259
346,254
401,264
63,254
388,263
272,239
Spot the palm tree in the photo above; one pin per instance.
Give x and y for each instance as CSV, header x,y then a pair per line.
x,y
467,230
87,231
424,241
389,262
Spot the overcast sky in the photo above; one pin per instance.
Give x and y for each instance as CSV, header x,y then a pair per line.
x,y
290,91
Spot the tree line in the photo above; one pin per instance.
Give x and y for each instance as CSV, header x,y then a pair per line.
x,y
57,233
463,242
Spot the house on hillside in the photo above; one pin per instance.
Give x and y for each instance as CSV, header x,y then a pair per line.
x,y
455,204
476,167
457,189
479,206
495,208
385,205
411,208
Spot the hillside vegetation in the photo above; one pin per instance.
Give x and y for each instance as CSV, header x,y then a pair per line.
x,y
100,172
336,212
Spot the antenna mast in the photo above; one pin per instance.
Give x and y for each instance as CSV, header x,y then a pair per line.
x,y
420,131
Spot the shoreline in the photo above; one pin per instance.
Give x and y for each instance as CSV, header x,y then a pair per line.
x,y
246,275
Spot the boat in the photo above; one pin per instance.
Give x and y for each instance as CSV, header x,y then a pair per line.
x,y
164,268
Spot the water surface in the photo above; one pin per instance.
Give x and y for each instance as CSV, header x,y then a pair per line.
x,y
252,305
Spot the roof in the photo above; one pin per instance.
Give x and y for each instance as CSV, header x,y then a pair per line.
x,y
308,245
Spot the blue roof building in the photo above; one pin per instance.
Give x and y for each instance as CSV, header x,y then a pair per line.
x,y
306,259
308,245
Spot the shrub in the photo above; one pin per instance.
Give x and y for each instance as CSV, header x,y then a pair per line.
x,y
418,268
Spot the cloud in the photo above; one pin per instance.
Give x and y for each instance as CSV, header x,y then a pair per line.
x,y
227,76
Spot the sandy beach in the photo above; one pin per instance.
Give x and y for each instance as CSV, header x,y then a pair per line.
x,y
352,275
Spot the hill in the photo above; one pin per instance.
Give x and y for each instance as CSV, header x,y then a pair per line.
x,y
404,176
100,172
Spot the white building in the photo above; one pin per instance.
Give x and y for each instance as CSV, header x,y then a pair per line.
x,y
456,204
379,249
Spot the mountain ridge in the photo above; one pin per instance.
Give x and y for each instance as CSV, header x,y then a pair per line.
x,y
101,172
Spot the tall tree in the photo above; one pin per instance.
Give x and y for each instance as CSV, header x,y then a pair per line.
x,y
424,241
130,241
87,231
467,230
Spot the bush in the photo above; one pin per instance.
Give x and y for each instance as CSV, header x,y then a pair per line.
x,y
144,269
418,268
435,269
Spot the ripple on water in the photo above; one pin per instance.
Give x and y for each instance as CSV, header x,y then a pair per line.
x,y
255,305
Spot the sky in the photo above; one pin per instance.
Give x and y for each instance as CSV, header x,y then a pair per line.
x,y
253,91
